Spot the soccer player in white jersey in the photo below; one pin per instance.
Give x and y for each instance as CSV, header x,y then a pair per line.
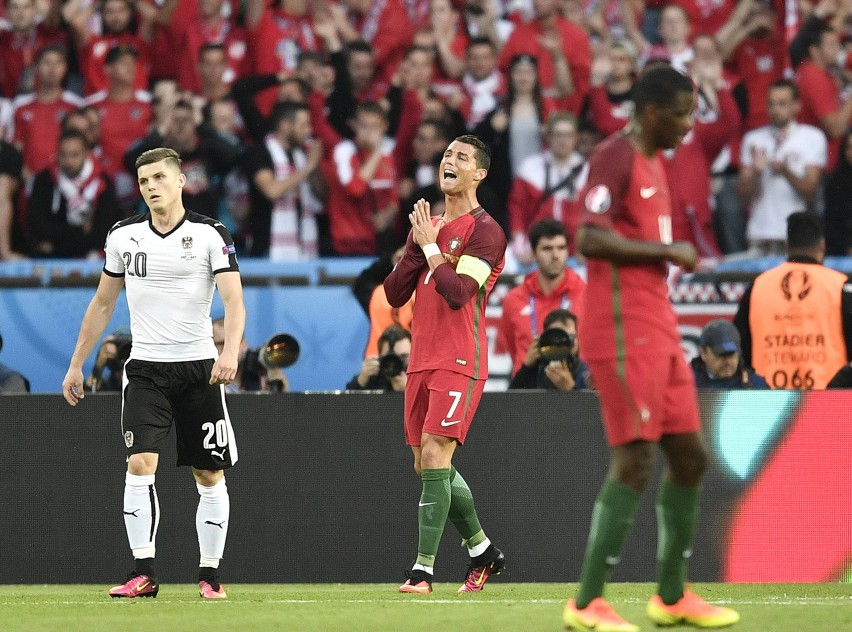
x,y
170,259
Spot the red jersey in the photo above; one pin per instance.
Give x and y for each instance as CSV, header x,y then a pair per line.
x,y
122,123
278,40
536,176
525,308
275,46
606,115
706,16
442,337
626,307
93,58
820,96
163,47
190,37
389,30
575,46
37,126
17,55
758,63
353,201
687,168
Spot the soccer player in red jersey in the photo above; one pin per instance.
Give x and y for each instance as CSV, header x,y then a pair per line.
x,y
630,341
453,261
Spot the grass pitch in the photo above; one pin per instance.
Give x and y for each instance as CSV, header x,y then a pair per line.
x,y
378,607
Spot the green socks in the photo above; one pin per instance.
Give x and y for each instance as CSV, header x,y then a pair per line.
x,y
612,520
462,511
677,515
432,514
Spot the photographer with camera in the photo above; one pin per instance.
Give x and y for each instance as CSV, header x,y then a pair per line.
x,y
260,368
386,371
108,372
552,362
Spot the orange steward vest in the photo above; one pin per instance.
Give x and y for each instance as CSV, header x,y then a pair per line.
x,y
796,325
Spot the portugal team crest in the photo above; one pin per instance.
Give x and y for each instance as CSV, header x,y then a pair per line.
x,y
598,199
453,245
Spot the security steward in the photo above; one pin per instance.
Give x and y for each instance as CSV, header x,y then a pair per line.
x,y
795,320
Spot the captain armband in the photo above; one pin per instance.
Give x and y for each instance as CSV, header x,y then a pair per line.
x,y
475,268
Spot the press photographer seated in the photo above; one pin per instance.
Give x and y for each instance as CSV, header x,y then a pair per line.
x,y
386,371
108,372
260,368
552,361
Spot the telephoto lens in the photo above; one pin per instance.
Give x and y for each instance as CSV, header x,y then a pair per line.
x,y
281,351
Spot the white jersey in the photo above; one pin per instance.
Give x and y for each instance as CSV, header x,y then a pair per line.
x,y
170,283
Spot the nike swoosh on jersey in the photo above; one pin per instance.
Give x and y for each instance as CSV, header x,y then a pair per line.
x,y
426,504
646,192
446,423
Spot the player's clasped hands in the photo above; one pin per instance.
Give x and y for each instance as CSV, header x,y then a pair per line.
x,y
423,231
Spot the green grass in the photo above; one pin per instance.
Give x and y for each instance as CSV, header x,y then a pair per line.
x,y
378,607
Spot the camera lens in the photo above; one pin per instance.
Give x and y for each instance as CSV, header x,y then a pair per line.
x,y
281,351
390,365
555,344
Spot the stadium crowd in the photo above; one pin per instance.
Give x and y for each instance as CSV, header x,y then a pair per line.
x,y
306,126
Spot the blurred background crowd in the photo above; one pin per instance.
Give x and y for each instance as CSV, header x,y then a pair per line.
x,y
308,127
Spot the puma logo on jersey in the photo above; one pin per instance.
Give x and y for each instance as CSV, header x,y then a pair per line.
x,y
131,513
136,241
221,454
216,524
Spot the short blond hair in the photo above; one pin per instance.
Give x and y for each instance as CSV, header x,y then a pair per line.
x,y
156,155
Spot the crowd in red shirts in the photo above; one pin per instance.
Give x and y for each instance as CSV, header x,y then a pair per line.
x,y
309,127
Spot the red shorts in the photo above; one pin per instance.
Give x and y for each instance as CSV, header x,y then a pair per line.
x,y
652,396
441,403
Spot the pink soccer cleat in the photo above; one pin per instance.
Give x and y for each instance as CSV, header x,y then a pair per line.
x,y
136,586
210,589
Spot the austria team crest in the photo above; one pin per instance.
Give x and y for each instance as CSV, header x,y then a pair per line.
x,y
186,242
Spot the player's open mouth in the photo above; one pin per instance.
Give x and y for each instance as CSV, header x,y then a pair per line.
x,y
450,176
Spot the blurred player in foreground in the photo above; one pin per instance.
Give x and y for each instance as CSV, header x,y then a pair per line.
x,y
631,343
453,262
170,260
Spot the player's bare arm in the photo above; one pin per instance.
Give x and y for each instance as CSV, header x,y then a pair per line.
x,y
600,243
231,290
95,320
